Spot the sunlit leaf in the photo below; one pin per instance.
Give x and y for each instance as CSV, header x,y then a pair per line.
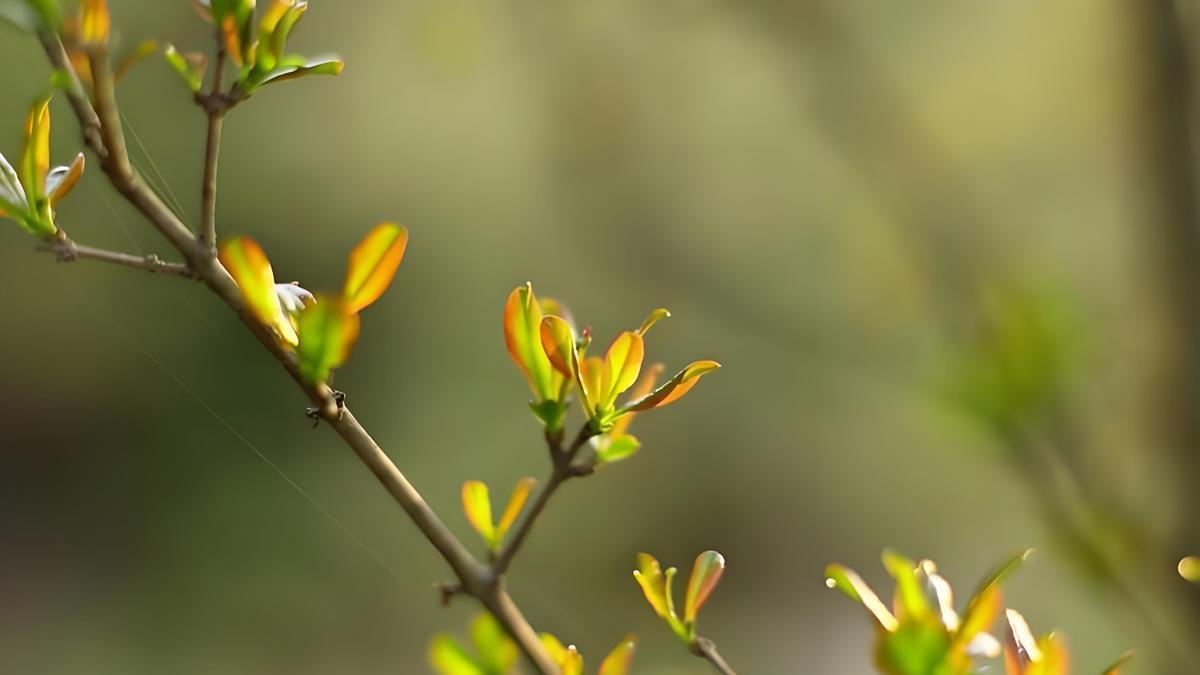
x,y
319,66
655,316
622,363
910,602
327,335
641,389
249,267
94,22
706,573
558,342
650,577
35,156
373,265
554,647
497,652
516,502
620,659
674,388
572,663
447,657
478,507
984,605
588,374
915,648
847,581
522,338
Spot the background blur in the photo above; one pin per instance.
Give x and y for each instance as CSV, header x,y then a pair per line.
x,y
944,250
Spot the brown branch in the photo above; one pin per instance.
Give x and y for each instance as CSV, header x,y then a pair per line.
x,y
108,142
66,251
706,649
212,151
564,470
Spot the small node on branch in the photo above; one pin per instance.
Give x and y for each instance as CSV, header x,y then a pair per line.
x,y
447,590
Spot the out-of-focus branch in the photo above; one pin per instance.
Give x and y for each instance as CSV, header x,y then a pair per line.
x,y
707,649
66,250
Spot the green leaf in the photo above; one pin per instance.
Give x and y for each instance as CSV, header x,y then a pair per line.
x,y
447,657
914,649
477,505
189,67
911,603
497,652
617,449
320,66
552,413
327,336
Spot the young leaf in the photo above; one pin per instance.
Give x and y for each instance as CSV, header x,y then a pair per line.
x,y
62,180
911,602
516,502
94,22
617,448
622,363
569,661
447,657
322,66
373,265
847,581
674,388
522,326
190,67
249,267
496,651
620,659
478,507
327,336
35,156
655,316
706,572
650,577
558,341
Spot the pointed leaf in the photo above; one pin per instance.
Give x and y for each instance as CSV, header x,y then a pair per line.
x,y
478,507
35,156
327,336
706,573
522,338
642,389
674,388
447,657
373,265
847,581
516,502
910,602
558,342
984,605
620,659
655,316
622,363
320,66
572,663
249,267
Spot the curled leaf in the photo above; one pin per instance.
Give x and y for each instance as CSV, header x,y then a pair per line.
x,y
706,573
674,388
35,156
655,316
62,180
522,338
328,333
373,265
478,507
558,342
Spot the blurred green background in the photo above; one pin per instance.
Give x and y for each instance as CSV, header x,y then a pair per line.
x,y
944,250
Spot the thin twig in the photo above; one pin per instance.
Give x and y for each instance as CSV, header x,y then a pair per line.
x,y
66,250
212,151
564,470
706,649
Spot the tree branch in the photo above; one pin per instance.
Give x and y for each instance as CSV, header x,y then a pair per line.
x,y
707,649
66,251
564,470
108,142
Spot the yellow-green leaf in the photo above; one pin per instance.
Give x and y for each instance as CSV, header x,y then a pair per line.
x,y
250,268
516,502
650,577
558,342
622,363
447,657
522,338
655,316
66,182
327,335
674,388
911,602
706,572
984,605
847,581
373,265
620,659
190,67
94,22
478,507
496,651
35,156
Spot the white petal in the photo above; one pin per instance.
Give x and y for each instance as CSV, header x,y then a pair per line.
x,y
938,590
983,646
1020,637
10,187
292,298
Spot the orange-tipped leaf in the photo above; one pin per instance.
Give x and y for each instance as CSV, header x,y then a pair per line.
x,y
373,265
706,573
